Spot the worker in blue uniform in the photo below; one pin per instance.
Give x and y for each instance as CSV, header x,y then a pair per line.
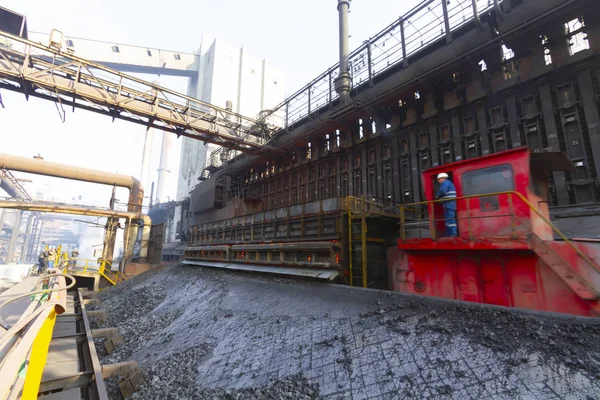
x,y
448,191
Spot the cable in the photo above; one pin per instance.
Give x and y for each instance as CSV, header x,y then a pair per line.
x,y
69,286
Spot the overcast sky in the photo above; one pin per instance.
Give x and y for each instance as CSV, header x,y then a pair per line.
x,y
299,38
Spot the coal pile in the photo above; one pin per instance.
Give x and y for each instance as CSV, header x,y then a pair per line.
x,y
570,340
175,378
201,333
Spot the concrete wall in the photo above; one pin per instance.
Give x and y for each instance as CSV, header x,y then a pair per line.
x,y
128,58
226,73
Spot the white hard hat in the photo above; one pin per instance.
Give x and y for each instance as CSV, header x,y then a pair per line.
x,y
442,175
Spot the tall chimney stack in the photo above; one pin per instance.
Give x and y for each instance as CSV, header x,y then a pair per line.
x,y
343,83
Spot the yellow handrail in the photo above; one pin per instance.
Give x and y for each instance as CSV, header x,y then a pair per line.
x,y
510,194
25,345
100,266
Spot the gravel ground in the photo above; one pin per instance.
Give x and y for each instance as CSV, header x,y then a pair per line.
x,y
207,334
570,340
174,378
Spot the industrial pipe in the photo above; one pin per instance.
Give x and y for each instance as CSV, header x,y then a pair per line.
x,y
343,83
96,212
67,209
47,168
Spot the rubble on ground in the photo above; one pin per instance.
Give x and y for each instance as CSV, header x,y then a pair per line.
x,y
200,333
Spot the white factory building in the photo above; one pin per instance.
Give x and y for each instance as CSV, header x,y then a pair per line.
x,y
226,73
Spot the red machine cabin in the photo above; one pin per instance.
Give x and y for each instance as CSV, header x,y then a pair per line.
x,y
505,253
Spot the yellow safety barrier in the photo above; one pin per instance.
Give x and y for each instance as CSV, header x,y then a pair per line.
x,y
102,267
38,356
24,346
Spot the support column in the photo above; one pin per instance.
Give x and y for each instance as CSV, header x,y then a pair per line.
x,y
513,121
482,125
414,166
590,108
110,238
38,239
31,252
10,256
457,137
446,22
433,142
130,238
25,248
560,181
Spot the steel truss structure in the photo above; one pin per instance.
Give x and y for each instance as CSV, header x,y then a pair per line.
x,y
47,72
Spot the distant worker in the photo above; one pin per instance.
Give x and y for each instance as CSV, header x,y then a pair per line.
x,y
74,257
41,262
51,257
448,191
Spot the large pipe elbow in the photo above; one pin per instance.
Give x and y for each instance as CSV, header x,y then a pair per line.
x,y
8,187
48,168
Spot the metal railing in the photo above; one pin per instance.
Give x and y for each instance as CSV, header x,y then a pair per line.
x,y
100,266
425,24
24,346
425,212
430,21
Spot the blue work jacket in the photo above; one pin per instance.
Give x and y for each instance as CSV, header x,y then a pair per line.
x,y
447,191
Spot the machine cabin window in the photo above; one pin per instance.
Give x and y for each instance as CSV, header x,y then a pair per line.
x,y
495,179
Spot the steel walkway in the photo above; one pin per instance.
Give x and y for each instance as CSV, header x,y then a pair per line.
x,y
68,364
49,73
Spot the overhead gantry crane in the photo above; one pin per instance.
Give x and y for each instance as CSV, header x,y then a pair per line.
x,y
48,72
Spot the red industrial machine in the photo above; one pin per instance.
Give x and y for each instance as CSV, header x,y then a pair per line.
x,y
507,251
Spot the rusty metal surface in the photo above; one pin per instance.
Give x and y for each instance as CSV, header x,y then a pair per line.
x,y
309,272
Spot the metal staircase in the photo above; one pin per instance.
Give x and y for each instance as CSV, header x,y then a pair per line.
x,y
583,287
361,212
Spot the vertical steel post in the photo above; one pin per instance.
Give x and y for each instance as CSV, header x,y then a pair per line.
x,y
513,224
446,22
110,238
25,247
10,256
363,233
369,63
402,39
498,9
287,113
402,224
349,240
433,226
2,219
476,13
309,100
30,250
343,83
469,229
